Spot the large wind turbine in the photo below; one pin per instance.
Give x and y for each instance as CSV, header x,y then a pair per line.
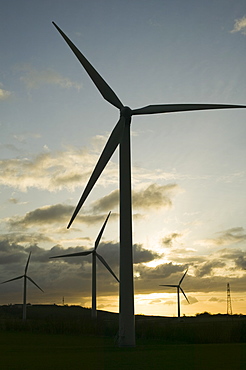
x,y
178,289
25,281
121,136
95,255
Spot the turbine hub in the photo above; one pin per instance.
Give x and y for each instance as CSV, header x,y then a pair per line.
x,y
126,112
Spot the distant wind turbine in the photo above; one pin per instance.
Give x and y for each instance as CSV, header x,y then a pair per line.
x,y
178,289
95,255
25,281
121,136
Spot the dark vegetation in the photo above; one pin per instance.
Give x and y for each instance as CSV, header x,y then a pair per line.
x,y
65,338
76,320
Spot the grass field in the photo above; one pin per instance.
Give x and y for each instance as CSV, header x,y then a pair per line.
x,y
25,350
57,337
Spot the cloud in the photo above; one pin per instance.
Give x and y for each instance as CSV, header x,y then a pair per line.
x,y
241,262
235,255
13,200
207,268
25,238
170,303
214,299
43,215
240,26
154,196
110,251
148,279
227,237
155,301
71,277
72,167
63,276
167,241
24,136
4,94
192,300
108,202
34,78
48,171
141,255
51,214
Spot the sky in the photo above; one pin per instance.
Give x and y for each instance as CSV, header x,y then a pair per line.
x,y
188,169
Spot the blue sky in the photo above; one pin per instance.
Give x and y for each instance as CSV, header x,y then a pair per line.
x,y
188,169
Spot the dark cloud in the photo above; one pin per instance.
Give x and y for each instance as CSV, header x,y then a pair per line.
x,y
170,302
11,252
207,268
109,251
241,262
13,200
108,202
44,215
53,214
167,241
227,237
141,255
161,271
155,301
71,277
236,255
25,238
154,196
214,299
192,300
149,278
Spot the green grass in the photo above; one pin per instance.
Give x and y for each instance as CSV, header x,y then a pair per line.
x,y
25,350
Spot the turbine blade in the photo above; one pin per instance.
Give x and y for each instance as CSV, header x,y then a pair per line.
x,y
173,286
184,294
19,277
100,83
27,263
107,266
107,153
101,232
34,283
183,277
73,254
168,108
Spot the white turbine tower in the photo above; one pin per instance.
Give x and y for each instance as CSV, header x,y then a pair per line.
x,y
25,285
178,290
95,255
120,136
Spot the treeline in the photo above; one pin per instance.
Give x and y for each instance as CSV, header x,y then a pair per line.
x,y
77,320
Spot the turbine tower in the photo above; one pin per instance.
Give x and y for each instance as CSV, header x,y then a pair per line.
x,y
25,284
178,290
95,255
120,136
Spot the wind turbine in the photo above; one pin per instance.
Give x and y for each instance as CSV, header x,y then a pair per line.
x,y
25,281
178,289
95,255
121,136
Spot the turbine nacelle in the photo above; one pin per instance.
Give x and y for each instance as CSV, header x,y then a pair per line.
x,y
126,112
